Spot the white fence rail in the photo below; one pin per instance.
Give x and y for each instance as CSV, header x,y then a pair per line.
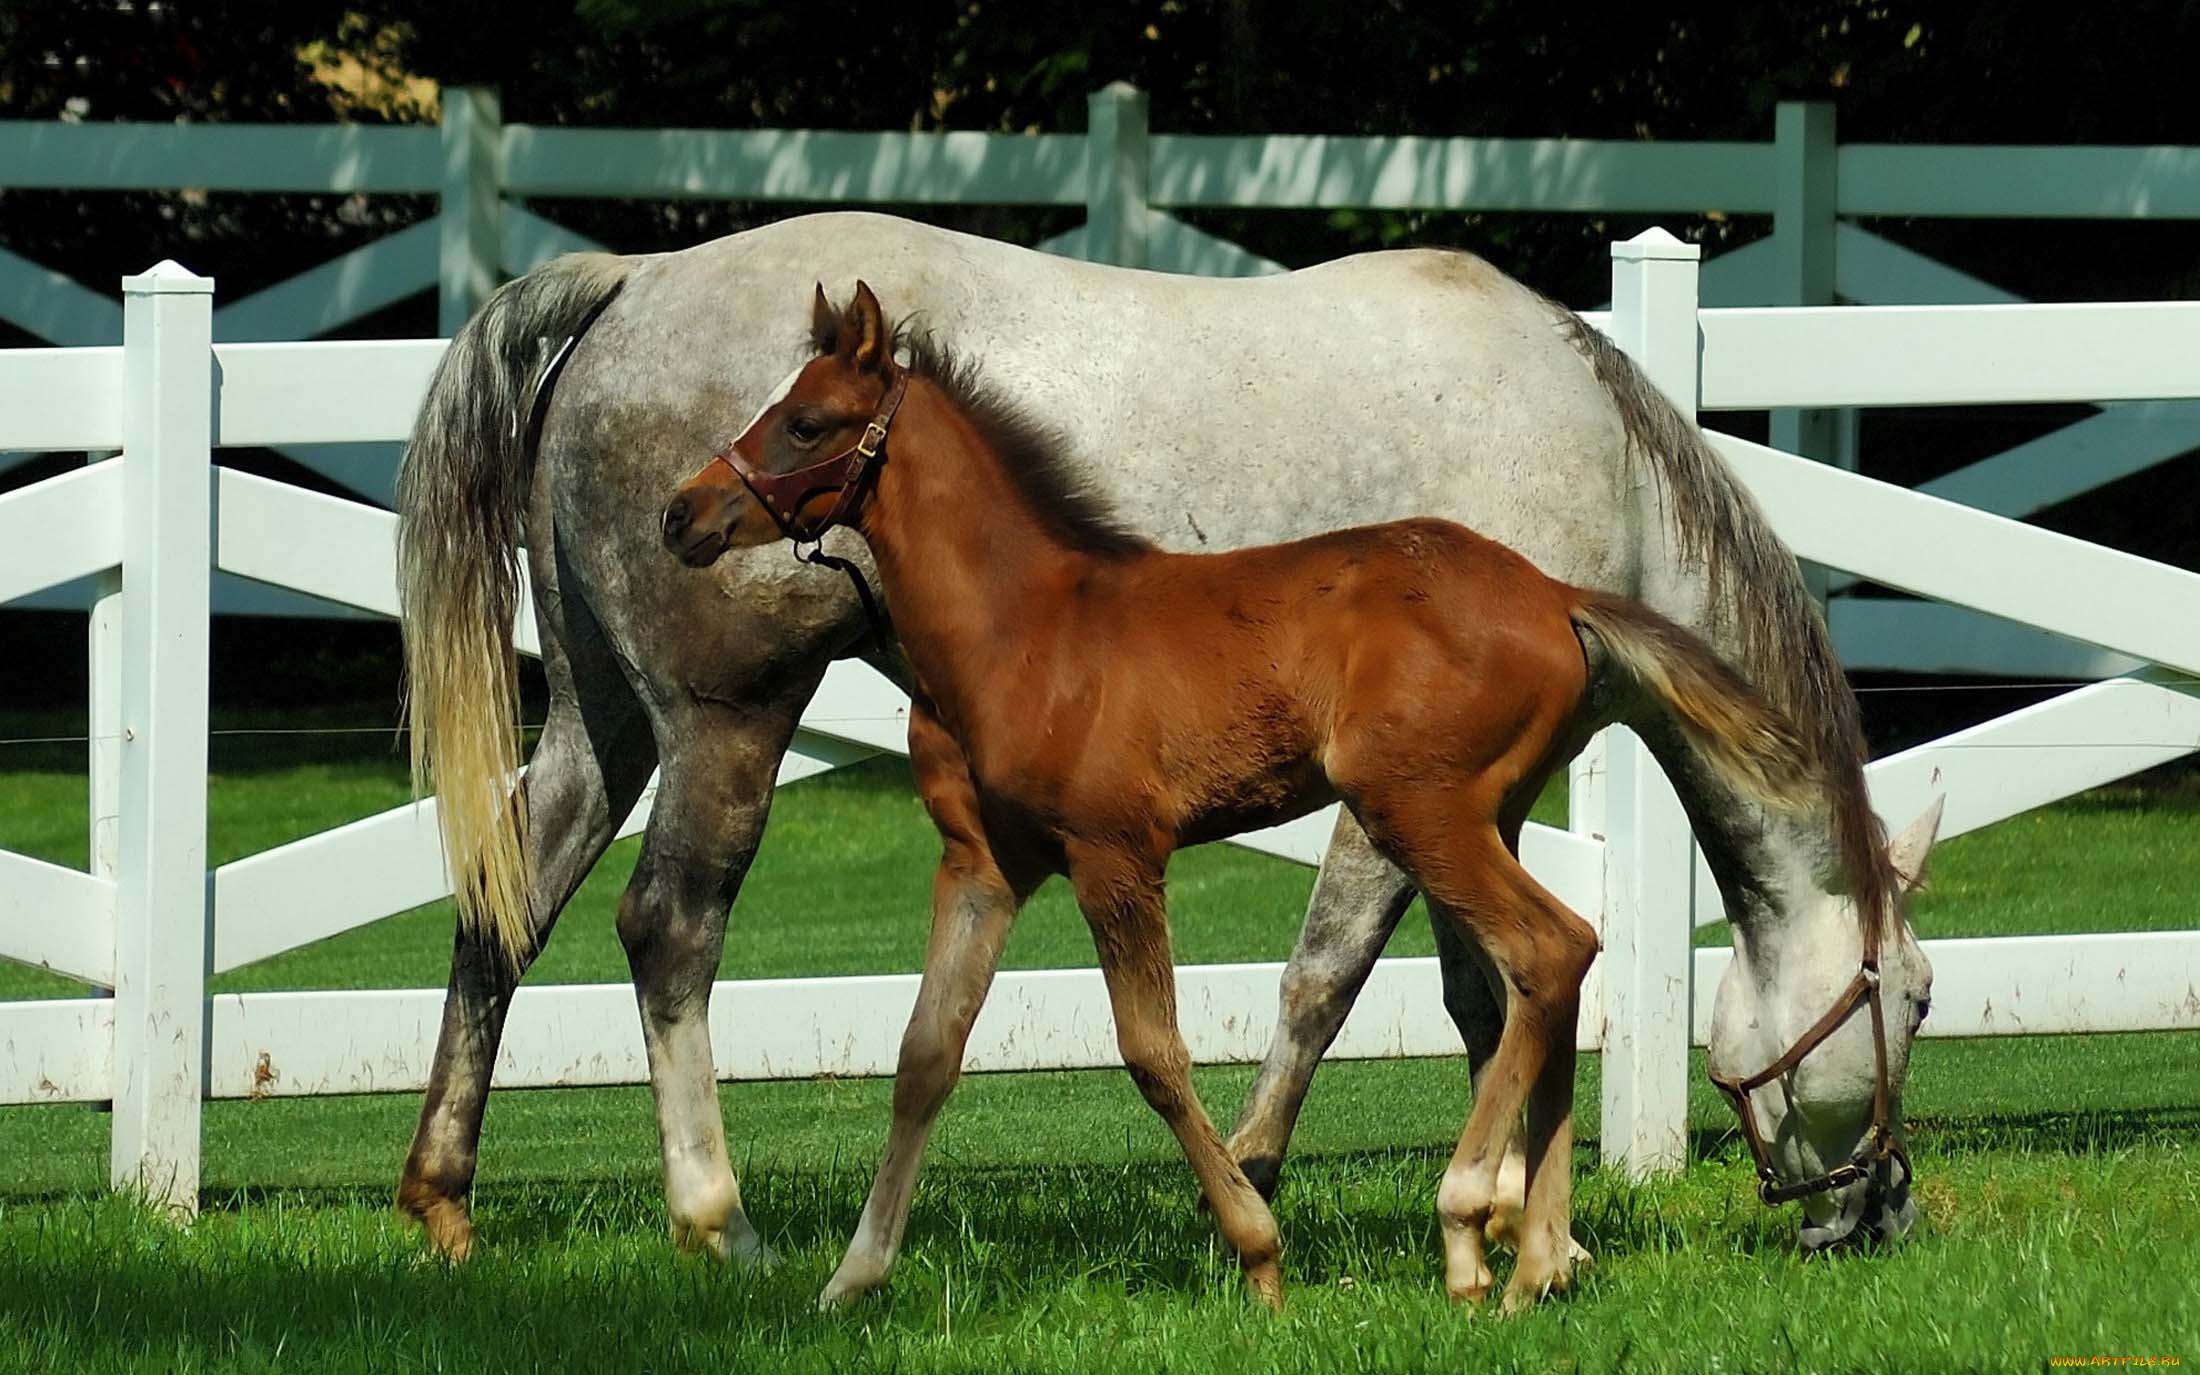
x,y
150,922
1129,180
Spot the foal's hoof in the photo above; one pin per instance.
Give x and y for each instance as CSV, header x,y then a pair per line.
x,y
1265,1283
1526,1290
736,1244
751,1253
1503,1229
1470,1291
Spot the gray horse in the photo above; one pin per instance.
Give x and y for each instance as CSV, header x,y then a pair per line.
x,y
1209,414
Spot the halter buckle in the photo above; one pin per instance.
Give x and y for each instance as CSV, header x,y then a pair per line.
x,y
874,435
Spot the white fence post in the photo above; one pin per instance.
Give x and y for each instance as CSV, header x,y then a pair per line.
x,y
103,659
161,895
472,206
1805,212
1649,859
1120,159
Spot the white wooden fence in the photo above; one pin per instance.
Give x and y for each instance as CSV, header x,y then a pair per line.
x,y
150,921
1129,180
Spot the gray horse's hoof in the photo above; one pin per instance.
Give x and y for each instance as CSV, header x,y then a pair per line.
x,y
1265,1174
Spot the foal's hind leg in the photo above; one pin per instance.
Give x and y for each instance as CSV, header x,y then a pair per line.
x,y
1356,904
974,903
1540,951
1474,995
588,769
1122,898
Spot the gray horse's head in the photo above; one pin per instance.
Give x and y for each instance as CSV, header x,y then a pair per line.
x,y
1823,1113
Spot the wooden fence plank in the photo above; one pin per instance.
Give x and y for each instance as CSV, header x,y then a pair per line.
x,y
60,529
57,918
1937,549
796,164
1323,172
147,156
1949,355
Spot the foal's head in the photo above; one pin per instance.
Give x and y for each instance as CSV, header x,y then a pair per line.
x,y
782,478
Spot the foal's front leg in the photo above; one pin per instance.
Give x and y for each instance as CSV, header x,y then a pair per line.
x,y
1122,898
974,903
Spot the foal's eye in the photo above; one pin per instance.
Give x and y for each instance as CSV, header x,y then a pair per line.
x,y
805,431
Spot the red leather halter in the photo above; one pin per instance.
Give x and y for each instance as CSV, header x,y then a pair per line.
x,y
847,473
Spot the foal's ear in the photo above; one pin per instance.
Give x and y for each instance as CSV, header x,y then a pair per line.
x,y
867,338
824,323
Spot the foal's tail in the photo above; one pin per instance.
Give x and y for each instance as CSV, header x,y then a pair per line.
x,y
461,501
1734,730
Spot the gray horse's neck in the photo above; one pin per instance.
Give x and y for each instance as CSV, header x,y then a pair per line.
x,y
1783,881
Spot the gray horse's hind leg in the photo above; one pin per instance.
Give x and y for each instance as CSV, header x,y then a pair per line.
x,y
589,767
1356,904
712,800
579,788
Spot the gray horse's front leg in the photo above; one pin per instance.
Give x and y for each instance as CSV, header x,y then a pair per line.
x,y
578,791
712,800
1356,905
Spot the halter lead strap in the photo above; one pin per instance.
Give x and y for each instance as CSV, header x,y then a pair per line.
x,y
1879,1143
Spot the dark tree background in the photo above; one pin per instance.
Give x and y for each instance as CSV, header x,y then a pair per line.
x,y
2016,71
1897,70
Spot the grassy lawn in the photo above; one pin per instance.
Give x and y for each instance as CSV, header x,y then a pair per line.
x,y
1057,1227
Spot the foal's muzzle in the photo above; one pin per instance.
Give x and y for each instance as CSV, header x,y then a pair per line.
x,y
690,533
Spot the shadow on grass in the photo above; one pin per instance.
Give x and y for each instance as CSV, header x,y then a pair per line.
x,y
2085,1131
581,1273
582,1268
1140,1224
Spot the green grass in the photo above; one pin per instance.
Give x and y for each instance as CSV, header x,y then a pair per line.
x,y
1057,1227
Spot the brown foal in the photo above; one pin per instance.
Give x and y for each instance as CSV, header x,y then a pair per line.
x,y
1087,704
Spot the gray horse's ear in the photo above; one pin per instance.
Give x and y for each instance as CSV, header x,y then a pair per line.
x,y
1907,851
867,333
824,323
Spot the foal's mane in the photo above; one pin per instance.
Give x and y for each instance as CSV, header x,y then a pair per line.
x,y
1754,584
1035,458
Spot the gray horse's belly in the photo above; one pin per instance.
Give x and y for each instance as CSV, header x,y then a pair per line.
x,y
1212,413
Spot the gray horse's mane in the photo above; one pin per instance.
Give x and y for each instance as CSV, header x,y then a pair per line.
x,y
1780,635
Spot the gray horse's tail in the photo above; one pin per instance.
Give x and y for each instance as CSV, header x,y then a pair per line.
x,y
1732,729
461,502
